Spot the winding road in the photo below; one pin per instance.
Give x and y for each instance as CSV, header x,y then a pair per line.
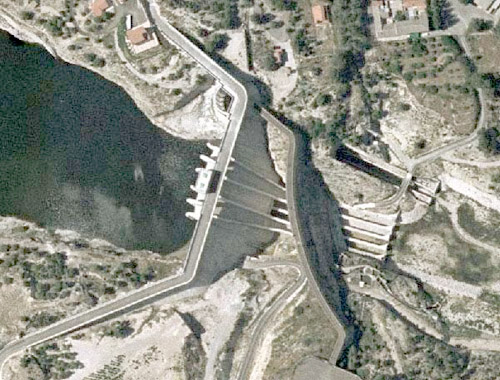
x,y
438,152
262,322
152,292
297,232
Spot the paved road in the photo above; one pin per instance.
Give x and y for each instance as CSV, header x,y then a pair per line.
x,y
152,292
297,232
267,316
438,152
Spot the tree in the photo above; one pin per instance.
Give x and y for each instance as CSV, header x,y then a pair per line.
x,y
324,99
480,25
404,107
400,16
217,42
269,62
27,15
284,5
230,16
262,18
120,329
489,140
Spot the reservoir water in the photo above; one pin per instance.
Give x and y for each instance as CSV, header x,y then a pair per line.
x,y
76,153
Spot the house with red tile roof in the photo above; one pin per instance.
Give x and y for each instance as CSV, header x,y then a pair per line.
x,y
98,7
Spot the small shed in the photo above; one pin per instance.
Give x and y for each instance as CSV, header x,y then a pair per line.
x,y
319,13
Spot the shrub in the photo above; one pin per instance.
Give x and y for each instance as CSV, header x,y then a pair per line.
x,y
489,140
217,42
480,25
120,329
27,15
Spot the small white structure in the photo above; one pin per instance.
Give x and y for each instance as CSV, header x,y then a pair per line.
x,y
128,22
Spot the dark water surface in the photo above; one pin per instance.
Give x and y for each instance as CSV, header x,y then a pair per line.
x,y
76,153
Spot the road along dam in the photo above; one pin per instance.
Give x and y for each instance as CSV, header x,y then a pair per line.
x,y
243,209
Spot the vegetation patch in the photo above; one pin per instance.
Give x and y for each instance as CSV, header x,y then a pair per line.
x,y
438,74
482,231
51,361
224,11
485,49
194,358
306,331
119,329
422,357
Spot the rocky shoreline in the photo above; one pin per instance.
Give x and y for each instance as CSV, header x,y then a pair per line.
x,y
114,71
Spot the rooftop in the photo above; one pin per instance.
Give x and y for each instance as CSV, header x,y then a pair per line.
x,y
98,7
419,4
138,35
319,13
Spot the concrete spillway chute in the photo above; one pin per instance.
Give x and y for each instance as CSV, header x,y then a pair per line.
x,y
194,202
210,163
215,150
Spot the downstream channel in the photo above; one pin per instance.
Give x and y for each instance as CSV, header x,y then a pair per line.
x,y
76,153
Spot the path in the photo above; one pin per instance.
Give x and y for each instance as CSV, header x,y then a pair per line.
x,y
297,232
262,322
151,293
464,235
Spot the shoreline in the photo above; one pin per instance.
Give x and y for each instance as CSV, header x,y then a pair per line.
x,y
31,35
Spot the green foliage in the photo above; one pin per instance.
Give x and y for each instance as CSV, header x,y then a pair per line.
x,y
480,25
408,76
451,45
418,46
323,99
351,22
441,15
301,42
27,15
52,361
473,267
47,279
119,329
468,221
41,319
425,357
94,59
394,66
230,15
55,25
269,61
262,18
489,140
284,5
217,42
435,11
